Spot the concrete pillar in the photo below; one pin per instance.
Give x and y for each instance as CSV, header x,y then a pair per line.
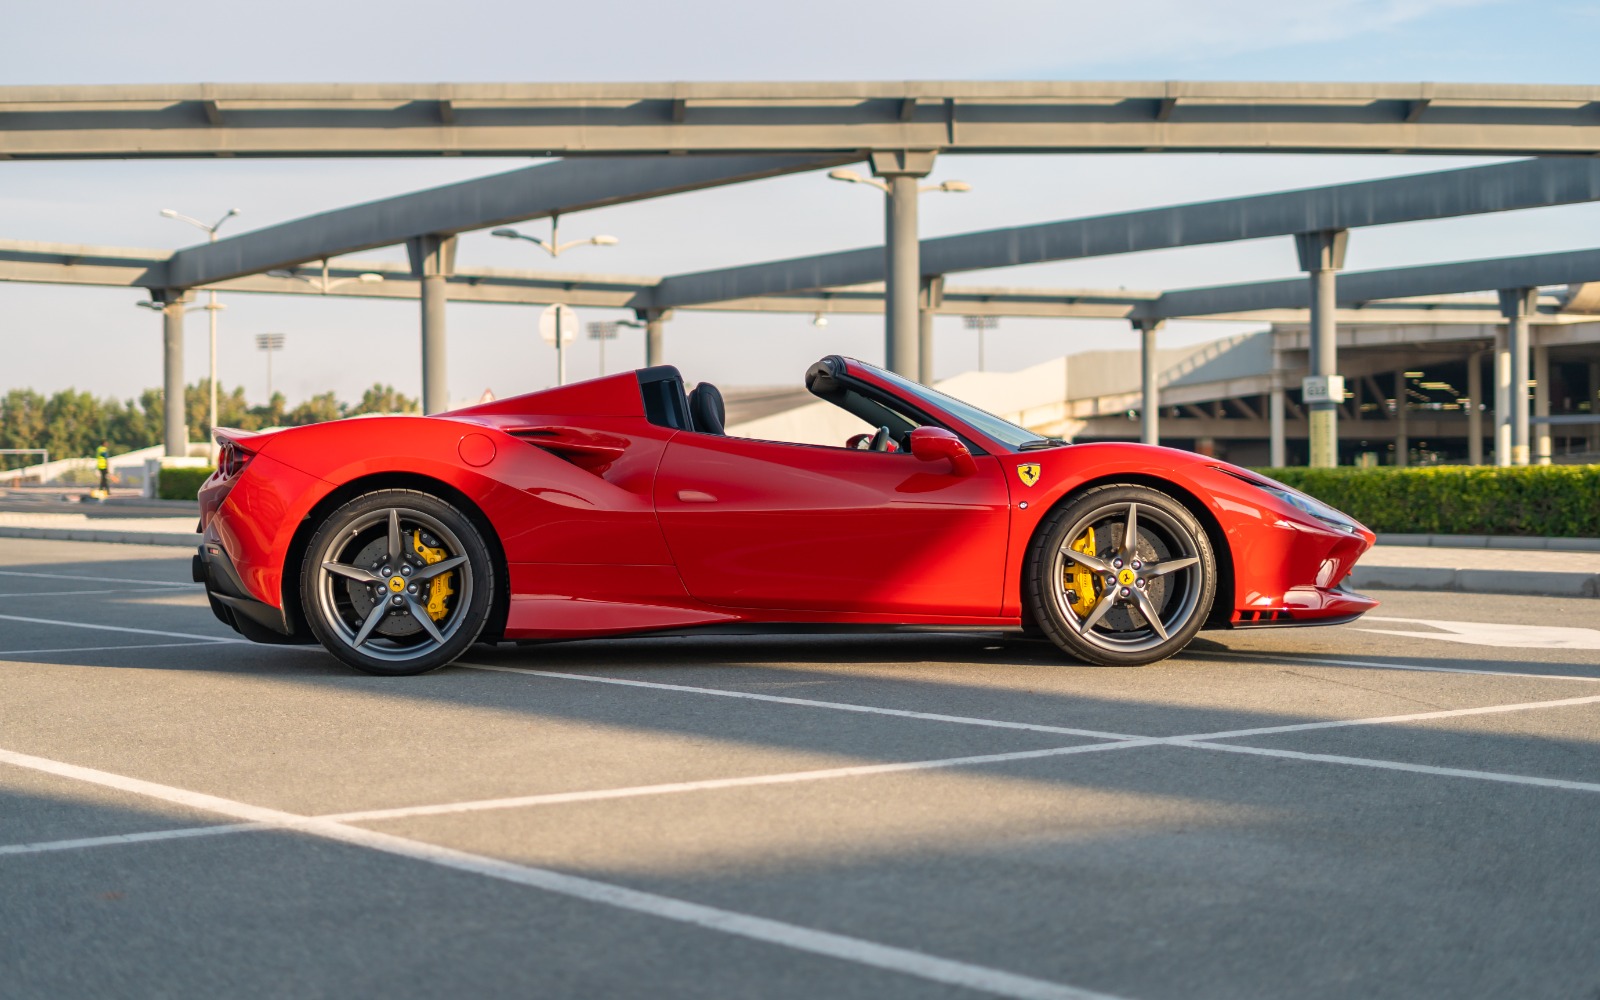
x,y
930,297
1594,404
1402,436
176,433
1541,404
655,341
1150,392
433,259
902,172
1321,257
1502,399
1517,304
1475,408
1278,445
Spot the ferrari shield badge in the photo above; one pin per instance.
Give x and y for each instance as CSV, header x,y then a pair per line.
x,y
1028,473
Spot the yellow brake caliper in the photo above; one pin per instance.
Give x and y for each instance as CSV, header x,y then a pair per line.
x,y
1080,580
439,587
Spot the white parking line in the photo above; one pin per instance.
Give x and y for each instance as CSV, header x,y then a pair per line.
x,y
131,838
95,579
838,706
73,593
1290,659
1395,765
1385,719
671,788
118,628
785,935
97,649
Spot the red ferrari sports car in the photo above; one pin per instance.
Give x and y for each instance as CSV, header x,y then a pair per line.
x,y
620,506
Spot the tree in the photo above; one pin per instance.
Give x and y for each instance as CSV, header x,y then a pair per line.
x,y
382,398
316,410
22,420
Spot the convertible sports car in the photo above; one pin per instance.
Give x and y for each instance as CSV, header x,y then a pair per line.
x,y
621,506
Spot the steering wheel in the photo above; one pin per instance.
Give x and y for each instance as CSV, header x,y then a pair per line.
x,y
880,440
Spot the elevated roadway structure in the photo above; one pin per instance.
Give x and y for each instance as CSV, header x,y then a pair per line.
x,y
655,139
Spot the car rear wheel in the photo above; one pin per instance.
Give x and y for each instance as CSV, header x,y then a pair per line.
x,y
1123,575
397,582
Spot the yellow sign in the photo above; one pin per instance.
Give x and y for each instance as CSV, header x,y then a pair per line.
x,y
397,583
1028,473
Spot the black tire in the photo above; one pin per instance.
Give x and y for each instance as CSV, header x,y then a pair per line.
x,y
1171,571
381,623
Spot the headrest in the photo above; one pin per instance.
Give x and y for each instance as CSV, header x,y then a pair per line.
x,y
706,410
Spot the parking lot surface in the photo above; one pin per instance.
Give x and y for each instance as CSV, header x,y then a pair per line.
x,y
1401,807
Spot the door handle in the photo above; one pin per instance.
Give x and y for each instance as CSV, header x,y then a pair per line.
x,y
696,496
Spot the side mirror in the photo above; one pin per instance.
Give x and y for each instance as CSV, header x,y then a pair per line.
x,y
933,443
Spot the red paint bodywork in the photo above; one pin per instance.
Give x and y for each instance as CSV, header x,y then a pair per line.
x,y
609,523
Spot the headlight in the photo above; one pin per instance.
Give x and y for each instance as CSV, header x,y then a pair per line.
x,y
1299,501
1310,505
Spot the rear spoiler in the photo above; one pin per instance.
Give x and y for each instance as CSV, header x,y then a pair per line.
x,y
246,441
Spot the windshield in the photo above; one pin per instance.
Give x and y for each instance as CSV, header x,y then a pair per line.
x,y
1003,431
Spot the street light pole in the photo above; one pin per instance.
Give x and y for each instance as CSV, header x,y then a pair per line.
x,y
982,324
269,342
553,246
211,307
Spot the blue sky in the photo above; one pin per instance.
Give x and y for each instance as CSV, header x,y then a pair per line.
x,y
97,340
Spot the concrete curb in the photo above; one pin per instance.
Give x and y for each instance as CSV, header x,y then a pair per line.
x,y
1476,581
1493,542
97,535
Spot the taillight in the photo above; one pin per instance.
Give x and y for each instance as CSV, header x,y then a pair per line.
x,y
232,460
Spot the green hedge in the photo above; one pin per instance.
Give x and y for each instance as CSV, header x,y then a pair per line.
x,y
1560,501
181,484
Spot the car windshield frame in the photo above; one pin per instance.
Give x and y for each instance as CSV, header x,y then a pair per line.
x,y
997,429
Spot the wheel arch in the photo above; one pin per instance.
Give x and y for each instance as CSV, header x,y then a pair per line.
x,y
343,494
1221,613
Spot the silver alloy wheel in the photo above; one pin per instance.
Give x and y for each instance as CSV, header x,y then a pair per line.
x,y
1150,580
395,596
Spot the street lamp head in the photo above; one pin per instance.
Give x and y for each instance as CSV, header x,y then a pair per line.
x,y
604,241
281,273
508,234
845,174
231,213
819,320
169,213
155,306
369,277
955,187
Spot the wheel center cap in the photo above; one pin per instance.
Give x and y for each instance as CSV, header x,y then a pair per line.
x,y
397,583
1126,577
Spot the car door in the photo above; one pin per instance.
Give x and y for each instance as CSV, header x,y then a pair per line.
x,y
805,528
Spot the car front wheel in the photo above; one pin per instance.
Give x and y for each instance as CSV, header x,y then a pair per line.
x,y
397,582
1122,575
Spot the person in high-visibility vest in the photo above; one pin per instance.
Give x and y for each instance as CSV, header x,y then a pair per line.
x,y
102,461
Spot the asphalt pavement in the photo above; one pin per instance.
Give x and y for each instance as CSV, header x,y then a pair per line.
x,y
1400,807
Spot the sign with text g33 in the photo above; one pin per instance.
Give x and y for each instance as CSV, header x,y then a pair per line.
x,y
1322,388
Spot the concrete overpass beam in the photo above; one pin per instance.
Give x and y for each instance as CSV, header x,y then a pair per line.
x,y
433,258
1321,257
1517,304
